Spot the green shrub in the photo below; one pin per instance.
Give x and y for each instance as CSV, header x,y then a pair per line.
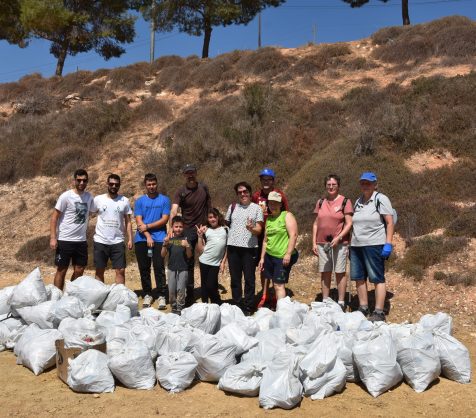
x,y
327,56
463,225
266,62
127,78
152,111
453,279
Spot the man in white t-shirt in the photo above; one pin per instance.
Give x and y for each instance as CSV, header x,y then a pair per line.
x,y
68,227
114,221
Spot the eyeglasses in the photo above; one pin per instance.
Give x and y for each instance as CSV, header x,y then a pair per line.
x,y
242,192
82,180
332,185
114,184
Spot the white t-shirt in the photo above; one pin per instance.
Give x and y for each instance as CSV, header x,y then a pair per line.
x,y
110,227
73,221
215,246
239,236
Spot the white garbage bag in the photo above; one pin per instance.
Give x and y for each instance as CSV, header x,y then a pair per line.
x,y
133,367
454,357
30,291
146,334
89,373
440,321
237,337
5,294
66,307
38,314
214,356
249,325
376,359
289,314
280,387
88,290
109,319
53,293
271,342
176,371
36,348
119,294
203,316
117,337
351,321
80,333
151,316
175,338
418,359
262,317
243,378
344,343
229,313
302,335
4,336
322,372
16,326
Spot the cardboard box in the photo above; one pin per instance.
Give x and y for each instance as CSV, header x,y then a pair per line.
x,y
63,354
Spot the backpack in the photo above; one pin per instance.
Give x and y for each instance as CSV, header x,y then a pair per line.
x,y
321,201
228,223
377,207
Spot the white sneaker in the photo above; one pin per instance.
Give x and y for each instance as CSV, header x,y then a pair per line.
x,y
161,303
147,302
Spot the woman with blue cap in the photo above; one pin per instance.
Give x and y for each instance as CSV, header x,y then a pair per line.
x,y
371,244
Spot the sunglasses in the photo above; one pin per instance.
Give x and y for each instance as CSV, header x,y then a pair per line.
x,y
114,184
82,180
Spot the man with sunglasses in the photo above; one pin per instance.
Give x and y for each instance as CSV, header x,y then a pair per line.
x,y
68,227
114,221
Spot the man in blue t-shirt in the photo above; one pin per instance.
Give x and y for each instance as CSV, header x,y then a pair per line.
x,y
152,212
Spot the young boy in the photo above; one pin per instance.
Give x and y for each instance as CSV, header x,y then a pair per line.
x,y
180,251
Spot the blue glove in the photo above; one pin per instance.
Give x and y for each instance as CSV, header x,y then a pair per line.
x,y
387,250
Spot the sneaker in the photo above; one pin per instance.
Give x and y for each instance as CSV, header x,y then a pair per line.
x,y
377,317
262,302
161,303
177,312
147,301
365,311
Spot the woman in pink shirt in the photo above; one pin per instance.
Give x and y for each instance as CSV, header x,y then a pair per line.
x,y
330,236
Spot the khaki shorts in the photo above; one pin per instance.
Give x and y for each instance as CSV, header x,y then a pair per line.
x,y
333,260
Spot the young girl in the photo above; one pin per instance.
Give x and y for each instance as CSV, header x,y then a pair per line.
x,y
212,244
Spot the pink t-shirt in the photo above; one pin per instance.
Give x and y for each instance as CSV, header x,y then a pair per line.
x,y
330,218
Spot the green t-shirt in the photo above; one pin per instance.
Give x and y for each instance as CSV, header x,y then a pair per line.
x,y
277,235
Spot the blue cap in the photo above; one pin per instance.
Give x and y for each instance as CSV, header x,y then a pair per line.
x,y
369,176
267,172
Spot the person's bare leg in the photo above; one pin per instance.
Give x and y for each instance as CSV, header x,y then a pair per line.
x,y
326,277
59,276
380,293
77,272
362,292
341,280
279,290
100,274
120,276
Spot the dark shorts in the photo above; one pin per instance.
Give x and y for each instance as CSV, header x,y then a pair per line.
x,y
71,251
274,269
367,262
115,252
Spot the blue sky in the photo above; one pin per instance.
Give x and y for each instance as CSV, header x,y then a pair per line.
x,y
290,25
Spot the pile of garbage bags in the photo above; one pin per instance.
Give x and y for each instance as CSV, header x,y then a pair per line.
x,y
277,356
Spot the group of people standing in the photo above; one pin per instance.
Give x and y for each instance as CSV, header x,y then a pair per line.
x,y
257,231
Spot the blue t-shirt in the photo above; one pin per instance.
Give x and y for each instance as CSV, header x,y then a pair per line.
x,y
152,210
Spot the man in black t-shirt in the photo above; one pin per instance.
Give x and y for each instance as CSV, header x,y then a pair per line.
x,y
194,201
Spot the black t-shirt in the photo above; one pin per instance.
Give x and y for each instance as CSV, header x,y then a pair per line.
x,y
177,254
194,204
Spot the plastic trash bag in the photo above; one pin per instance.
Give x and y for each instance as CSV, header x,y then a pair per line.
x,y
176,371
175,338
146,334
80,333
438,322
53,293
344,342
150,316
117,336
4,336
88,290
271,342
302,335
38,314
109,319
66,307
243,378
280,388
16,326
322,372
229,313
203,316
133,367
376,359
214,356
237,337
351,321
454,357
418,359
5,294
89,373
289,314
262,317
36,348
119,294
30,291
249,325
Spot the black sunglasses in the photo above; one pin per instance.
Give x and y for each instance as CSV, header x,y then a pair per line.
x,y
82,180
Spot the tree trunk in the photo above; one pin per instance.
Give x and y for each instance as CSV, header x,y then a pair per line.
x,y
60,63
405,15
206,40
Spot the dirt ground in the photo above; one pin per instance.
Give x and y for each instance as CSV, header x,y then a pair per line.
x,y
26,395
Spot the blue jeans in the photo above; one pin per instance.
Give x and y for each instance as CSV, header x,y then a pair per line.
x,y
367,262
